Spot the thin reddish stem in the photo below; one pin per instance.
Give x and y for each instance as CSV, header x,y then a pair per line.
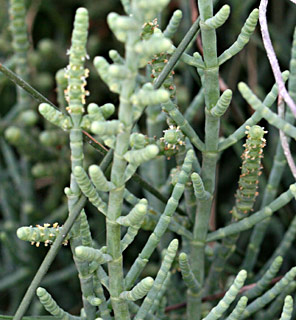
x,y
94,140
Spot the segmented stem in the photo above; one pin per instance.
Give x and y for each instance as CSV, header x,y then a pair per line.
x,y
243,38
268,296
288,309
159,280
229,297
51,306
162,224
20,43
173,24
210,81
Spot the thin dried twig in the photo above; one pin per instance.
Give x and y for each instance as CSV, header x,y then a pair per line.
x,y
94,140
284,140
272,56
283,93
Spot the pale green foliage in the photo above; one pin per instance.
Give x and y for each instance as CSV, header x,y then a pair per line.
x,y
91,254
183,203
288,309
173,24
222,104
148,96
88,189
219,18
243,38
136,215
137,157
187,273
229,297
51,306
239,309
54,116
198,186
139,291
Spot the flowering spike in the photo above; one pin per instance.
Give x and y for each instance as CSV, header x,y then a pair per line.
x,y
251,166
76,74
45,234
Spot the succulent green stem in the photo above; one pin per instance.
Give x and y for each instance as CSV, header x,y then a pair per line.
x,y
51,306
162,224
254,119
53,251
115,268
159,280
249,222
20,45
210,154
265,281
268,296
229,297
288,309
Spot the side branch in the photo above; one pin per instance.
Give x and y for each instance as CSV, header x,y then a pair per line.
x,y
249,222
46,263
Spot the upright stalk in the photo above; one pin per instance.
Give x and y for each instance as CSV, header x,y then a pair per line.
x,y
75,96
116,284
210,155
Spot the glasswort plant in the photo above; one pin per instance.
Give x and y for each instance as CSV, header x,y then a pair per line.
x,y
144,177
